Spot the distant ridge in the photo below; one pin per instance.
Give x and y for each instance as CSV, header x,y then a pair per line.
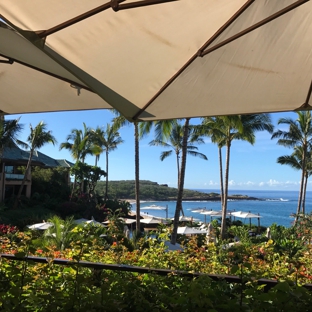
x,y
152,191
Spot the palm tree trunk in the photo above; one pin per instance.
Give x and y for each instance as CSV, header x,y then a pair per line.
x,y
106,186
304,192
224,208
137,176
221,177
178,166
181,183
300,195
2,175
27,172
73,188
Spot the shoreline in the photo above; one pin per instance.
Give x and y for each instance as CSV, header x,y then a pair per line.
x,y
216,198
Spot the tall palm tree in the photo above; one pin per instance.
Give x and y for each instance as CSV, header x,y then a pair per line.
x,y
238,127
9,130
295,161
79,143
209,127
38,137
107,139
299,135
181,142
175,145
118,122
97,135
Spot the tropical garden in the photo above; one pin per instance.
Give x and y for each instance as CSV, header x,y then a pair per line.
x,y
72,267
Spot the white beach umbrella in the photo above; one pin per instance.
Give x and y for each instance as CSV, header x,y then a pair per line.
x,y
186,219
40,226
246,215
153,62
200,210
186,230
155,207
153,220
95,223
86,221
128,221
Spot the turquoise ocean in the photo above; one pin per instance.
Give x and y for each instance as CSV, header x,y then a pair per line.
x,y
273,206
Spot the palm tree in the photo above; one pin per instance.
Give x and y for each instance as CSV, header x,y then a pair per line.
x,y
79,143
237,127
175,145
118,122
209,127
295,161
181,142
97,135
299,135
9,130
107,139
38,137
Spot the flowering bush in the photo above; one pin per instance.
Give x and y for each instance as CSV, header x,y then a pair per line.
x,y
78,288
7,229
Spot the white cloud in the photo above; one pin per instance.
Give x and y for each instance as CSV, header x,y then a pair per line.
x,y
212,183
274,183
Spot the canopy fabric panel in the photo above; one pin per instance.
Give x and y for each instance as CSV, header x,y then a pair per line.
x,y
177,59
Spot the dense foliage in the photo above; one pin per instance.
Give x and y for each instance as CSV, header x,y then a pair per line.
x,y
30,286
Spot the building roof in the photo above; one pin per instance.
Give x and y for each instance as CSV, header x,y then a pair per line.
x,y
19,156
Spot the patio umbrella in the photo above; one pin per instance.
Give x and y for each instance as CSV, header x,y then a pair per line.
x,y
153,220
125,220
40,226
245,215
86,221
186,230
155,207
168,60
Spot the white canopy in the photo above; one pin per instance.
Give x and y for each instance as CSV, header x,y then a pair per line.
x,y
40,226
153,220
190,230
186,58
86,222
125,220
244,215
186,219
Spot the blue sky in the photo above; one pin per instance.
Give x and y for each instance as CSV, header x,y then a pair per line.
x,y
251,167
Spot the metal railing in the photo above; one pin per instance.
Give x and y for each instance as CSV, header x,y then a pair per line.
x,y
142,270
14,176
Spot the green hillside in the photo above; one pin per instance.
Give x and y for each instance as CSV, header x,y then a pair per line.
x,y
125,189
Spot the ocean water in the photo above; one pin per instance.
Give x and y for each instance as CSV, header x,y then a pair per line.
x,y
273,206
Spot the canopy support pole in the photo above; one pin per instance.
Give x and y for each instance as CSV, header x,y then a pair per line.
x,y
114,4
